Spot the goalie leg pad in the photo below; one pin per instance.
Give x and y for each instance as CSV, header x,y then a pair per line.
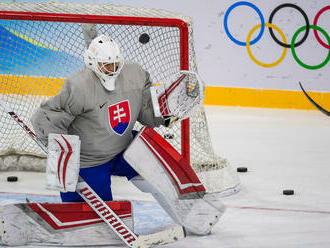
x,y
196,215
171,180
62,224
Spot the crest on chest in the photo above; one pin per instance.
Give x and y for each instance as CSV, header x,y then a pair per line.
x,y
119,117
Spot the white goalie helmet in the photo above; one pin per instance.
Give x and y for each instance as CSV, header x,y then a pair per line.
x,y
104,53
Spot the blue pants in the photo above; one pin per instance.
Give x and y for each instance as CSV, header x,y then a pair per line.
x,y
99,178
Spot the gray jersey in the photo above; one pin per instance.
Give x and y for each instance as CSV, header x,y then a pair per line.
x,y
102,119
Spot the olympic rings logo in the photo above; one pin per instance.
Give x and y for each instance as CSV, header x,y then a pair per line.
x,y
293,44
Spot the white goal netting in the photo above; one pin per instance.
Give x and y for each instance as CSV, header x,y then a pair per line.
x,y
41,44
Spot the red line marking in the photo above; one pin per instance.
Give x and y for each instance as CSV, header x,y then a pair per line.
x,y
280,209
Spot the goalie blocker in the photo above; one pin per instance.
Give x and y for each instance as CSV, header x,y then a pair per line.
x,y
170,179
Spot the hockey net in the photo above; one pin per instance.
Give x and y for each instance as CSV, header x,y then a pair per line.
x,y
41,44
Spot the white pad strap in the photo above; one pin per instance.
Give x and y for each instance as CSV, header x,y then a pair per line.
x,y
179,96
63,162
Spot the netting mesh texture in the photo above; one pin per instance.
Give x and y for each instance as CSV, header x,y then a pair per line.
x,y
37,56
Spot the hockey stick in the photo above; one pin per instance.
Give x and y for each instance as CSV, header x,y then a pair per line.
x,y
103,210
314,103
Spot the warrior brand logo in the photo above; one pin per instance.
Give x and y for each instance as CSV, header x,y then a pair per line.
x,y
119,117
108,215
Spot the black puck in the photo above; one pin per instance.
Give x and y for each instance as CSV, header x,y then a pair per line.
x,y
288,192
12,179
144,38
168,136
242,169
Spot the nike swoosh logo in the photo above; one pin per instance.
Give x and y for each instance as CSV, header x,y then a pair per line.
x,y
101,106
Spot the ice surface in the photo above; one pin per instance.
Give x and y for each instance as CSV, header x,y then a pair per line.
x,y
283,149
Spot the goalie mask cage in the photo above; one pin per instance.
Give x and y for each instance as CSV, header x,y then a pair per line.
x,y
41,44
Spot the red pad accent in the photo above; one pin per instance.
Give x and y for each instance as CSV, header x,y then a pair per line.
x,y
162,99
66,160
178,168
68,215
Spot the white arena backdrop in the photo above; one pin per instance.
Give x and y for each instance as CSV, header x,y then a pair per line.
x,y
223,63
